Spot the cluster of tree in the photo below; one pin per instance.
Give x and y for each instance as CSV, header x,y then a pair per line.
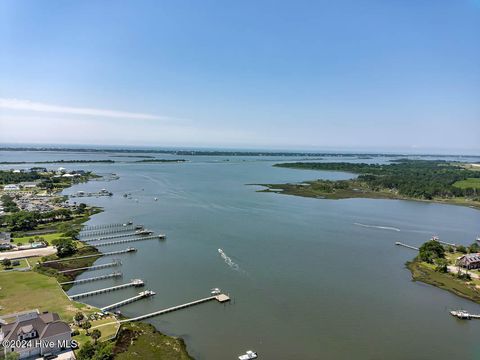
x,y
28,220
431,251
424,179
65,247
8,204
96,351
10,177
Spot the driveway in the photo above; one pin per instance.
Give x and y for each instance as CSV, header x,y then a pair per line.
x,y
20,254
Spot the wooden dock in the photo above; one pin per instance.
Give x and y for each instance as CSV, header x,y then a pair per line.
x,y
141,238
105,226
94,267
405,245
220,298
128,250
102,277
116,236
142,295
135,283
88,233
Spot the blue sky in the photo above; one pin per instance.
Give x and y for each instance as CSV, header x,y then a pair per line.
x,y
343,74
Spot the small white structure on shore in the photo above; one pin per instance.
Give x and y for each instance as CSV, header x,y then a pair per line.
x,y
11,187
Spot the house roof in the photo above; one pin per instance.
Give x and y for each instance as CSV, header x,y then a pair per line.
x,y
46,325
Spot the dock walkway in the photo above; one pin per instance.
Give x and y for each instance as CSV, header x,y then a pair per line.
x,y
130,240
94,267
141,295
136,283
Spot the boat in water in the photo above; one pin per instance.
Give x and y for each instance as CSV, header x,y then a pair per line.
x,y
215,291
461,314
248,355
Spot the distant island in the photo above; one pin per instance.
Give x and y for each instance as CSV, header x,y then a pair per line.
x,y
430,180
57,162
160,161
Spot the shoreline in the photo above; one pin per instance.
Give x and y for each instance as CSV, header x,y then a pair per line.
x,y
285,189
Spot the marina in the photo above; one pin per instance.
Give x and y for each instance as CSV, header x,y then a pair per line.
x,y
133,283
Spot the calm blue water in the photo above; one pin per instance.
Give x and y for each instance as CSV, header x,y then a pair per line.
x,y
311,282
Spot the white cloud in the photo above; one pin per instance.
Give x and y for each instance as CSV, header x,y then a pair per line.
x,y
27,105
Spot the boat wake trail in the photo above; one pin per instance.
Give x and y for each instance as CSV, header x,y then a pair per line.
x,y
377,227
228,260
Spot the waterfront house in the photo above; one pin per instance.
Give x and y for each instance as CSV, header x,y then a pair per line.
x,y
469,261
36,328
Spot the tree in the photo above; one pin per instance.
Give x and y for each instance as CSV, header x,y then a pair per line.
x,y
86,325
462,249
6,263
65,247
96,334
441,265
79,317
430,251
474,248
86,352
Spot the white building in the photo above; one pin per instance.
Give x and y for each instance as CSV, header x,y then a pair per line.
x,y
11,187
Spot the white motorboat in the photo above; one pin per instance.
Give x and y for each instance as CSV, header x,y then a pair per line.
x,y
248,355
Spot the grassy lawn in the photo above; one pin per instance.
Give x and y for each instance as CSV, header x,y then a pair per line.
x,y
108,331
46,237
473,183
22,291
23,264
141,341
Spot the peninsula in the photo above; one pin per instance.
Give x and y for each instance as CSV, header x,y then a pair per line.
x,y
428,180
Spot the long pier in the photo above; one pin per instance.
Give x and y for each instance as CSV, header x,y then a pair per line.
x,y
105,226
94,267
102,277
405,245
220,298
127,250
143,294
107,237
88,233
130,240
136,283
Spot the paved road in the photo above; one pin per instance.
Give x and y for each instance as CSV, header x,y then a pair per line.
x,y
49,250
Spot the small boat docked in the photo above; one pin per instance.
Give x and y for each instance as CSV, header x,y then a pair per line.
x,y
248,355
215,291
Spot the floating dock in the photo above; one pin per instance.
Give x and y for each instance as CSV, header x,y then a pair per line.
x,y
135,283
220,298
142,295
94,267
405,245
161,237
102,277
128,250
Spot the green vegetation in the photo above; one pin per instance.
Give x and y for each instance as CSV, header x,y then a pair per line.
x,y
436,265
405,179
447,281
8,204
142,341
430,251
470,183
97,351
21,291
